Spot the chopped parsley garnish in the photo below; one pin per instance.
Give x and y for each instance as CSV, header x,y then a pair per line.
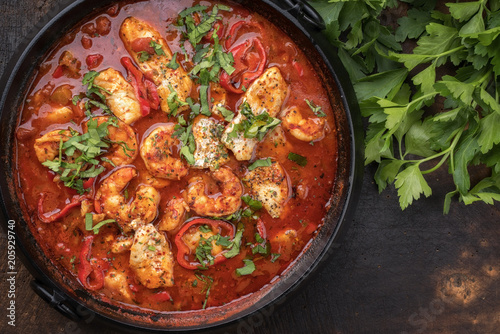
x,y
173,62
78,155
89,222
298,159
143,56
174,103
252,203
224,241
207,60
157,47
234,248
226,113
316,109
260,163
274,257
92,91
196,32
208,285
186,137
205,228
262,249
203,252
247,269
253,126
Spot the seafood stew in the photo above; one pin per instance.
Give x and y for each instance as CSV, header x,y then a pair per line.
x,y
175,155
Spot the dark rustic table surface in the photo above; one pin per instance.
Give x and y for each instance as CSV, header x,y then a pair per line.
x,y
415,271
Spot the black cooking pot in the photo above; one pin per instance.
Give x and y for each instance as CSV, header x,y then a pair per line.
x,y
304,26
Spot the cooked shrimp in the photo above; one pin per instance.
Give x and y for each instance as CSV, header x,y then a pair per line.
x,y
137,36
122,100
225,203
110,200
310,129
151,258
266,94
174,214
123,149
122,244
156,151
47,146
210,152
159,183
270,186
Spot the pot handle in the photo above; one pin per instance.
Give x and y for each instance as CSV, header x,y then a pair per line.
x,y
55,299
301,9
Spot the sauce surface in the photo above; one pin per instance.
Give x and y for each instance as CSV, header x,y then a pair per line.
x,y
268,240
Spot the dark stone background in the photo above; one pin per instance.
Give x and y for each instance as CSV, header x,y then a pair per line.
x,y
415,271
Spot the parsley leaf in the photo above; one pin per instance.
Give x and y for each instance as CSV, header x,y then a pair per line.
x,y
173,62
143,56
316,109
158,49
252,203
298,159
247,269
394,89
234,249
260,163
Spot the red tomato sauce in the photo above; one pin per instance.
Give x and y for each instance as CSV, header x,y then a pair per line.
x,y
96,45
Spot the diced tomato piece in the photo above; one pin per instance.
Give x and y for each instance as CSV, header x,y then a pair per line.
x,y
93,61
142,44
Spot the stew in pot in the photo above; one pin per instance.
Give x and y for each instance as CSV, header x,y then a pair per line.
x,y
175,155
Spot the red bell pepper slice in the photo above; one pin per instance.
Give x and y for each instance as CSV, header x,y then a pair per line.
x,y
261,228
58,72
75,201
152,93
162,296
247,65
145,90
298,68
89,266
89,183
183,250
209,38
231,38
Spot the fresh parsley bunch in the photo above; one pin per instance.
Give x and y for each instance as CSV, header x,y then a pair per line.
x,y
395,88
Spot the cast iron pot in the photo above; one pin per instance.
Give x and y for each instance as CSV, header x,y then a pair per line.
x,y
303,25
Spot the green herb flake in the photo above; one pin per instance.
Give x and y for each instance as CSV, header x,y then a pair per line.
x,y
252,203
274,257
298,159
234,249
316,109
158,49
173,62
260,163
247,269
143,56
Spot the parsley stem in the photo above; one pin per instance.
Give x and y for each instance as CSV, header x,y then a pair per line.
x,y
446,153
